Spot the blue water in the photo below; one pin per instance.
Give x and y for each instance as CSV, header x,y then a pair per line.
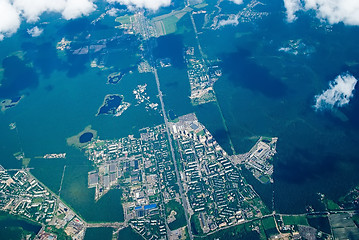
x,y
11,227
17,77
262,92
267,92
62,97
170,46
111,104
86,137
98,233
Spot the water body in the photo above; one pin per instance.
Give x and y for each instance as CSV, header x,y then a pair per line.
x,y
98,233
80,198
86,137
241,68
44,57
262,92
72,101
12,227
128,233
111,103
267,92
17,77
170,46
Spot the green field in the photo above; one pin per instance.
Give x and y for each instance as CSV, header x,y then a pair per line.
x,y
264,179
269,226
201,5
200,133
126,19
331,205
180,221
60,233
167,23
356,219
268,223
295,220
195,224
242,231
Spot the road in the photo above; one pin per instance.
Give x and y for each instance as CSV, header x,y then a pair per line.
x,y
55,195
62,180
180,187
280,214
115,225
19,169
206,65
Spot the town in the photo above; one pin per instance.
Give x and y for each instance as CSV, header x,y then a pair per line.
x,y
259,160
216,193
142,169
22,194
201,78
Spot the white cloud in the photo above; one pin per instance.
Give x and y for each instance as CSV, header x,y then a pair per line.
x,y
35,31
338,94
9,19
13,11
232,20
237,1
31,10
77,8
334,11
148,4
292,7
112,12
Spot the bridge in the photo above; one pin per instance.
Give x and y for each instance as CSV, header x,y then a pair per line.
x,y
18,169
116,225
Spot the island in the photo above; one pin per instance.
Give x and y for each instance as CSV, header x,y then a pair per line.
x,y
81,139
113,104
9,103
115,77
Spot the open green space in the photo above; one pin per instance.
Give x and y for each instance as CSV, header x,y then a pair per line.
x,y
243,231
201,5
268,223
269,226
180,221
356,219
195,224
60,233
167,23
331,205
295,220
126,19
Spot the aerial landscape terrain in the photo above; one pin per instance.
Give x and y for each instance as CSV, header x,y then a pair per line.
x,y
189,119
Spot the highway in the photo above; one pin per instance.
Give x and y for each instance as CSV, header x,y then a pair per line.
x,y
206,65
280,214
115,225
62,180
19,169
180,187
